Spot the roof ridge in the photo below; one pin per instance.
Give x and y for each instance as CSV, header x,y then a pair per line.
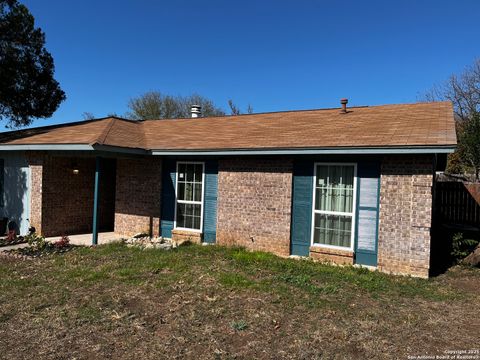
x,y
144,135
103,136
298,111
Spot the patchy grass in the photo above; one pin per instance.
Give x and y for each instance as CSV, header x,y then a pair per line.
x,y
216,302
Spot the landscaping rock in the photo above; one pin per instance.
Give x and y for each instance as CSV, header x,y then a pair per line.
x,y
145,242
474,258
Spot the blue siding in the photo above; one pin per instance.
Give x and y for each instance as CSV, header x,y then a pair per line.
x,y
15,195
301,226
368,204
168,197
210,203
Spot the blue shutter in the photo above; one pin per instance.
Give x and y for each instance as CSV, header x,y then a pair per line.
x,y
368,194
168,197
301,226
210,202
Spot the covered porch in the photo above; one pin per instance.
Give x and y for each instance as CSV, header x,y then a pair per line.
x,y
94,198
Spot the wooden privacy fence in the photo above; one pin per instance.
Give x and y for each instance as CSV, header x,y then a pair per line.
x,y
454,204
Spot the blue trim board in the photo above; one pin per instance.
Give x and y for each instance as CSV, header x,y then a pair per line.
x,y
96,196
318,151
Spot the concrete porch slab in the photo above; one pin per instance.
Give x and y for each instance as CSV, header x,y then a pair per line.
x,y
79,240
86,239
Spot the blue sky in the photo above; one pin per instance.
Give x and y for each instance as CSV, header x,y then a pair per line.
x,y
274,55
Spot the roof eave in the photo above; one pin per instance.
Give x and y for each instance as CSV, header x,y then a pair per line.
x,y
120,149
430,149
46,147
72,147
444,149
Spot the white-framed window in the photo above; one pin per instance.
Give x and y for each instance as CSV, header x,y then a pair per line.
x,y
189,195
334,204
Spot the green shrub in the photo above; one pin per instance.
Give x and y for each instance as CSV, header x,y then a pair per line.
x,y
36,242
462,247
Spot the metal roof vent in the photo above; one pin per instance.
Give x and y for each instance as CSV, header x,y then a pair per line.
x,y
195,111
344,103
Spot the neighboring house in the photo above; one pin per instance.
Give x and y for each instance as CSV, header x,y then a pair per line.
x,y
349,185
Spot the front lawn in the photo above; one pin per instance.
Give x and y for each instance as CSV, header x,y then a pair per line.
x,y
215,302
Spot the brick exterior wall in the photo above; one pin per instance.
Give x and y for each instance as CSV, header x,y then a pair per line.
x,y
337,256
183,236
61,202
138,196
254,204
405,215
36,174
67,198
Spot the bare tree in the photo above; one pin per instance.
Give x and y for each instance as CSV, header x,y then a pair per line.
x,y
235,110
88,115
462,90
469,144
155,105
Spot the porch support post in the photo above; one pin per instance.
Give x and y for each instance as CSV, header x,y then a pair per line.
x,y
95,201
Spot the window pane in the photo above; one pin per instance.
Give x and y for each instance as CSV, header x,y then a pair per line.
x,y
189,171
181,172
334,175
189,222
180,215
198,173
196,222
181,191
332,230
198,192
189,188
188,192
334,188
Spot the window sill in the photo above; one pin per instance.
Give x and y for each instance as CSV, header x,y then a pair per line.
x,y
331,250
185,230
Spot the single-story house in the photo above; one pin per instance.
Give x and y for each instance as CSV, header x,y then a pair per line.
x,y
351,185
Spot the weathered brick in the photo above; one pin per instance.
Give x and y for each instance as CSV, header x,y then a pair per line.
x,y
138,196
182,236
254,204
67,198
35,160
405,214
337,256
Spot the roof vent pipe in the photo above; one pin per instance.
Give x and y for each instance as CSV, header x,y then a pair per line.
x,y
344,103
195,111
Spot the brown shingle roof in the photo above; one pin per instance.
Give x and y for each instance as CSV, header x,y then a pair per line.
x,y
108,131
419,124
